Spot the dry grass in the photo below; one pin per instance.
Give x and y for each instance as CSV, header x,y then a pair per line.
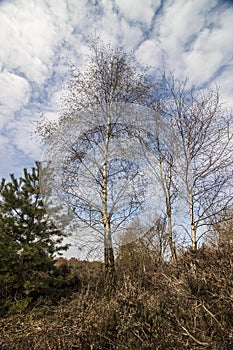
x,y
187,306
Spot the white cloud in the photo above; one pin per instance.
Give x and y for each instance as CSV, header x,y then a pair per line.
x,y
212,49
109,25
24,140
28,37
14,93
174,29
182,20
190,38
137,10
115,29
12,161
150,53
130,35
224,81
201,65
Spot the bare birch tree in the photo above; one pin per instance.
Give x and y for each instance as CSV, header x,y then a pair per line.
x,y
161,156
205,148
96,141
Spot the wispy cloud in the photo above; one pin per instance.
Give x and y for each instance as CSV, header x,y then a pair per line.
x,y
14,93
137,11
38,36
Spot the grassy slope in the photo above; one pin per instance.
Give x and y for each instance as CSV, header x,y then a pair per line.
x,y
156,306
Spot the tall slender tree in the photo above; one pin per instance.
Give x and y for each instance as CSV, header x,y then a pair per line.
x,y
97,137
204,143
161,155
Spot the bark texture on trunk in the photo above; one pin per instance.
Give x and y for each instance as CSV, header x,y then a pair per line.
x,y
169,224
193,228
170,240
110,273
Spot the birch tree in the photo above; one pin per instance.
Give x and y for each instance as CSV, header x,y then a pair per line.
x,y
205,148
94,146
161,156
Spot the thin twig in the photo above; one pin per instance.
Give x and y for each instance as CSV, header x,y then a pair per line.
x,y
192,337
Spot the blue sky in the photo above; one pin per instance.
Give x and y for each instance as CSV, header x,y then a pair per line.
x,y
38,37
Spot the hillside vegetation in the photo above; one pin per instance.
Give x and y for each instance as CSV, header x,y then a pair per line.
x,y
156,305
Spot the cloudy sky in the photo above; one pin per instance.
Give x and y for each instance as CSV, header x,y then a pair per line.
x,y
38,37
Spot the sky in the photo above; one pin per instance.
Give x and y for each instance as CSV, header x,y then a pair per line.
x,y
39,37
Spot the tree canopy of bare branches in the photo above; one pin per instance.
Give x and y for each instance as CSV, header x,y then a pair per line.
x,y
127,144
